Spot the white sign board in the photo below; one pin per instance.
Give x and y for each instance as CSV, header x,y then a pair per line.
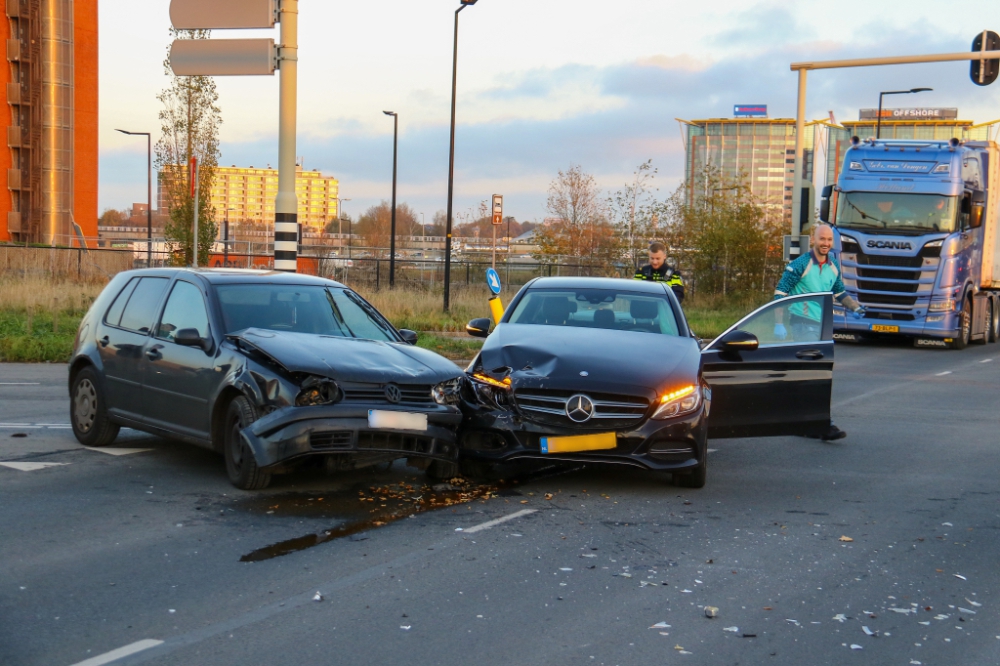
x,y
221,14
497,209
222,57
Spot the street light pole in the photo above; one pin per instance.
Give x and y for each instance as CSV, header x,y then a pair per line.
x,y
340,221
286,206
392,232
878,121
451,160
149,193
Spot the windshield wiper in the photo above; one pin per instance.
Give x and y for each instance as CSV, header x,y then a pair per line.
x,y
337,314
864,215
372,313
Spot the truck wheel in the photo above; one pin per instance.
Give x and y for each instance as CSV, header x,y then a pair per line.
x,y
964,326
240,464
88,411
993,322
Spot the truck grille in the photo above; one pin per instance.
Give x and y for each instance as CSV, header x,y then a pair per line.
x,y
887,275
905,287
900,262
885,299
610,411
411,394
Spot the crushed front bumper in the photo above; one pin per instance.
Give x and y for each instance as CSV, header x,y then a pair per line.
x,y
294,432
500,435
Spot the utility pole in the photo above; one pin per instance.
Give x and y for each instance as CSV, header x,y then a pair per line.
x,y
286,205
392,228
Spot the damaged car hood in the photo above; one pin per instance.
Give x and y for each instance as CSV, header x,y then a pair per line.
x,y
349,359
565,357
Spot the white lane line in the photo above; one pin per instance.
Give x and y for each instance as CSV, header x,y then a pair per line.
x,y
36,426
20,383
942,374
493,523
30,466
114,451
125,651
712,450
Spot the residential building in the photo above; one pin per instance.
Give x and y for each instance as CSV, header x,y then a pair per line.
x,y
51,118
246,194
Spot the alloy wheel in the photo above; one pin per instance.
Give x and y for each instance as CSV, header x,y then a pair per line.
x,y
85,405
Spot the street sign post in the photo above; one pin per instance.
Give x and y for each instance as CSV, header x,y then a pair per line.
x,y
193,180
984,72
248,57
223,14
497,220
493,280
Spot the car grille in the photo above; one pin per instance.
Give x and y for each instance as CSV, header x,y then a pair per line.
x,y
330,440
393,441
412,394
610,411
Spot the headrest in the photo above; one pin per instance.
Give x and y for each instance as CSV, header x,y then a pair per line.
x,y
555,309
604,318
643,309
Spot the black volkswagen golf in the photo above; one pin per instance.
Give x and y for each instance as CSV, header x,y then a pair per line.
x,y
607,371
267,368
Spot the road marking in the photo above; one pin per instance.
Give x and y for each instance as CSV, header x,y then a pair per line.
x,y
20,383
114,451
492,523
712,450
942,374
36,426
30,466
125,651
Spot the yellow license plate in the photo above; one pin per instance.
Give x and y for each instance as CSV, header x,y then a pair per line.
x,y
883,328
596,442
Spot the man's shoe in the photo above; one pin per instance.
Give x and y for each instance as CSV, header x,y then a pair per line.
x,y
833,433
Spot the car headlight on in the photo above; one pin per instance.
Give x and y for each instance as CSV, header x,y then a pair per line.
x,y
448,392
682,401
946,305
318,391
490,392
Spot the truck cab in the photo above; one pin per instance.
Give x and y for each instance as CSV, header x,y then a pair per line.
x,y
915,228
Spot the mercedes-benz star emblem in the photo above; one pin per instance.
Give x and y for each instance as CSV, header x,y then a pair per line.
x,y
584,373
392,393
579,408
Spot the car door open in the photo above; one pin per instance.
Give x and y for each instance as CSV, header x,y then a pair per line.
x,y
772,372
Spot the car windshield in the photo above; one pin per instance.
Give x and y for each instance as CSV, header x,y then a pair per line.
x,y
301,309
597,308
894,212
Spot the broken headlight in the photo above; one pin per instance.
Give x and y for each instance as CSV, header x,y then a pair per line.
x,y
318,391
682,401
490,392
448,392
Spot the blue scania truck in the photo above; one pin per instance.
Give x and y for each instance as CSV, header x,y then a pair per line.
x,y
916,230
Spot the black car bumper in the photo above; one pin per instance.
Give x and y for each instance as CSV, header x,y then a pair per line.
x,y
498,436
295,432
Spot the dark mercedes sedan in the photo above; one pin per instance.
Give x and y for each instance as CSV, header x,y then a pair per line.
x,y
267,368
607,371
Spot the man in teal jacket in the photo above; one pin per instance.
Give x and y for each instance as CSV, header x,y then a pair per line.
x,y
815,272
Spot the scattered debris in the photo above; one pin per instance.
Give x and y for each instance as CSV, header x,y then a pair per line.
x,y
660,625
746,635
549,496
855,646
565,569
926,624
173,610
960,576
846,538
973,603
869,632
904,611
795,622
587,555
947,524
966,611
405,627
686,591
941,616
711,612
317,597
731,629
624,574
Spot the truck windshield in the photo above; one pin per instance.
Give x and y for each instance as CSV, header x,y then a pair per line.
x,y
910,214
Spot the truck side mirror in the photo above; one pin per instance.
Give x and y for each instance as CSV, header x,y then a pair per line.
x,y
827,192
976,219
824,210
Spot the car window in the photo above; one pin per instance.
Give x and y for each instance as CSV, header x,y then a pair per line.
x,y
801,321
597,308
301,309
140,313
114,315
185,308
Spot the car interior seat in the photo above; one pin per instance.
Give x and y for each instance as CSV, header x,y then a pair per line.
x,y
604,318
644,312
554,310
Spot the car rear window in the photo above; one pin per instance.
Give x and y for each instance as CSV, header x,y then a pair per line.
x,y
140,312
597,308
301,309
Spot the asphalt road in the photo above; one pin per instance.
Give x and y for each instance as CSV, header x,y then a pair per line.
x,y
800,545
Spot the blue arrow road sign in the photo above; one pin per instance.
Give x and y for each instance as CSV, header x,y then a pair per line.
x,y
493,280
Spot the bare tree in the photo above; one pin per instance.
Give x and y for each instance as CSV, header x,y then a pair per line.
x,y
581,229
189,127
636,212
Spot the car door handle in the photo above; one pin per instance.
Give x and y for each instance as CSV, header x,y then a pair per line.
x,y
104,341
811,354
153,353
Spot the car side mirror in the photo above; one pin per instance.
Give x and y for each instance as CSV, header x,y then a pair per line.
x,y
478,328
189,337
409,337
739,341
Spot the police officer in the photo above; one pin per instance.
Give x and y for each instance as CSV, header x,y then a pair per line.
x,y
658,271
815,272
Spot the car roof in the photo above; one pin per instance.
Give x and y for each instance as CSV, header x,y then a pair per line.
x,y
241,276
619,284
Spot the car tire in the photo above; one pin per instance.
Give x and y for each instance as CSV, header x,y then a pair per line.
x,y
965,326
240,464
440,470
695,478
477,470
88,411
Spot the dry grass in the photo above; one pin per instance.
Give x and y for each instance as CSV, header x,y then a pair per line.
x,y
421,310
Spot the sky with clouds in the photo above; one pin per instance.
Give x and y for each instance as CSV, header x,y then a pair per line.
x,y
542,85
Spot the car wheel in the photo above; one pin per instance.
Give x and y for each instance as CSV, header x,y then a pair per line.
x,y
695,478
477,470
964,327
240,464
439,470
88,411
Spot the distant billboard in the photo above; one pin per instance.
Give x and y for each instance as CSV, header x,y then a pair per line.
x,y
922,113
750,111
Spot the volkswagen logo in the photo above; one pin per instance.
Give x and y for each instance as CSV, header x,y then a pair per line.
x,y
579,408
392,393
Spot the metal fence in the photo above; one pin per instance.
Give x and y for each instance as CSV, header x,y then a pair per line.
x,y
63,263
